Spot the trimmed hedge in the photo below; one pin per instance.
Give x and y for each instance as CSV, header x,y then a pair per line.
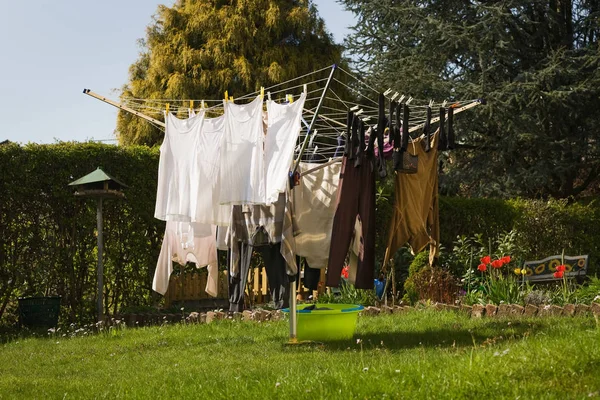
x,y
48,237
48,243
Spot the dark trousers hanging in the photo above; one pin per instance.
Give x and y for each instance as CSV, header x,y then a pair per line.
x,y
356,197
237,284
279,282
311,277
275,267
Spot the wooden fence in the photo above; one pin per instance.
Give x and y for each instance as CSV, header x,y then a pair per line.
x,y
190,287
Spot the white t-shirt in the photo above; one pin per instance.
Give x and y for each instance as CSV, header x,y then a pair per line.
x,y
179,169
282,133
242,154
208,209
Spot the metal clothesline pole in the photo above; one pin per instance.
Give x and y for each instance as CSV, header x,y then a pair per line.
x,y
314,118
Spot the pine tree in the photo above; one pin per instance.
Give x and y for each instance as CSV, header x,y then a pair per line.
x,y
537,63
198,49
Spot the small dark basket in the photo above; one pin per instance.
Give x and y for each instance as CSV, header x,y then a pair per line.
x,y
39,312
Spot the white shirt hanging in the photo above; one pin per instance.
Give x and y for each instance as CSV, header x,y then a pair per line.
x,y
179,169
282,133
208,209
242,154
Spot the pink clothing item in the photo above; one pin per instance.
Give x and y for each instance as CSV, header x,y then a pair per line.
x,y
187,242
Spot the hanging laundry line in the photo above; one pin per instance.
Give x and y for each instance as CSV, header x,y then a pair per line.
x,y
326,111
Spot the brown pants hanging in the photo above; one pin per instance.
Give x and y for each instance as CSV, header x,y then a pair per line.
x,y
356,197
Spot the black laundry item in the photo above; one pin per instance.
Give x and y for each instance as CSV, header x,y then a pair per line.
x,y
275,267
405,123
311,275
237,284
426,130
361,143
450,128
443,140
279,282
394,125
381,122
356,198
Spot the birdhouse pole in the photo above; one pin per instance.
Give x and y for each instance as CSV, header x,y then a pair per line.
x,y
99,225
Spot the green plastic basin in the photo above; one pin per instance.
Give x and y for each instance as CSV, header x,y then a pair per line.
x,y
337,323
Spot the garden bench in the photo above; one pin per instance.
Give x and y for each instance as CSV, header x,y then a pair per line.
x,y
543,270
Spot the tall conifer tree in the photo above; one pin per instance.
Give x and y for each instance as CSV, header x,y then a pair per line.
x,y
198,49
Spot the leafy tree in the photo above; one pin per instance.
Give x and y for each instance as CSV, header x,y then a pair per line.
x,y
198,49
535,62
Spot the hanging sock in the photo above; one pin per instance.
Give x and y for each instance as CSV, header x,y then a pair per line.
x,y
443,140
450,128
426,131
380,131
405,134
361,143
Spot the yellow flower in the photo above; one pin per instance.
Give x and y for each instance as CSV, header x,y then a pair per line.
x,y
517,271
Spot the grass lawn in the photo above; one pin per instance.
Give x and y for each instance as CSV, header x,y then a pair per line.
x,y
421,354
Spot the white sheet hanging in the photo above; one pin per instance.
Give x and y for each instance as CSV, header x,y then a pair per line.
x,y
242,154
282,133
179,169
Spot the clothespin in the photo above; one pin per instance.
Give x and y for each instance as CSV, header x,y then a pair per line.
x,y
359,112
167,108
269,95
226,95
305,89
366,119
231,99
430,103
387,92
455,105
312,137
202,104
409,100
401,98
262,92
444,103
395,95
191,104
354,108
290,98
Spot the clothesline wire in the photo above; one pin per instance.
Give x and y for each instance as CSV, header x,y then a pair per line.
x,y
359,80
354,90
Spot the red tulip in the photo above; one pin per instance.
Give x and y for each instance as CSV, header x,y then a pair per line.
x,y
345,271
482,267
561,268
486,260
558,274
505,259
497,263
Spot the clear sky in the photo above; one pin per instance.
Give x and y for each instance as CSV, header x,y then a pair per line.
x,y
52,50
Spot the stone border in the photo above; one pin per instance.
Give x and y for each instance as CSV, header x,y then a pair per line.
x,y
503,310
475,311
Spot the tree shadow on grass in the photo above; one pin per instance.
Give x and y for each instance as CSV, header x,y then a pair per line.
x,y
488,333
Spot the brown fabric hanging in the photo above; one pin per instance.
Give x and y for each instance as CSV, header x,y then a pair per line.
x,y
416,212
